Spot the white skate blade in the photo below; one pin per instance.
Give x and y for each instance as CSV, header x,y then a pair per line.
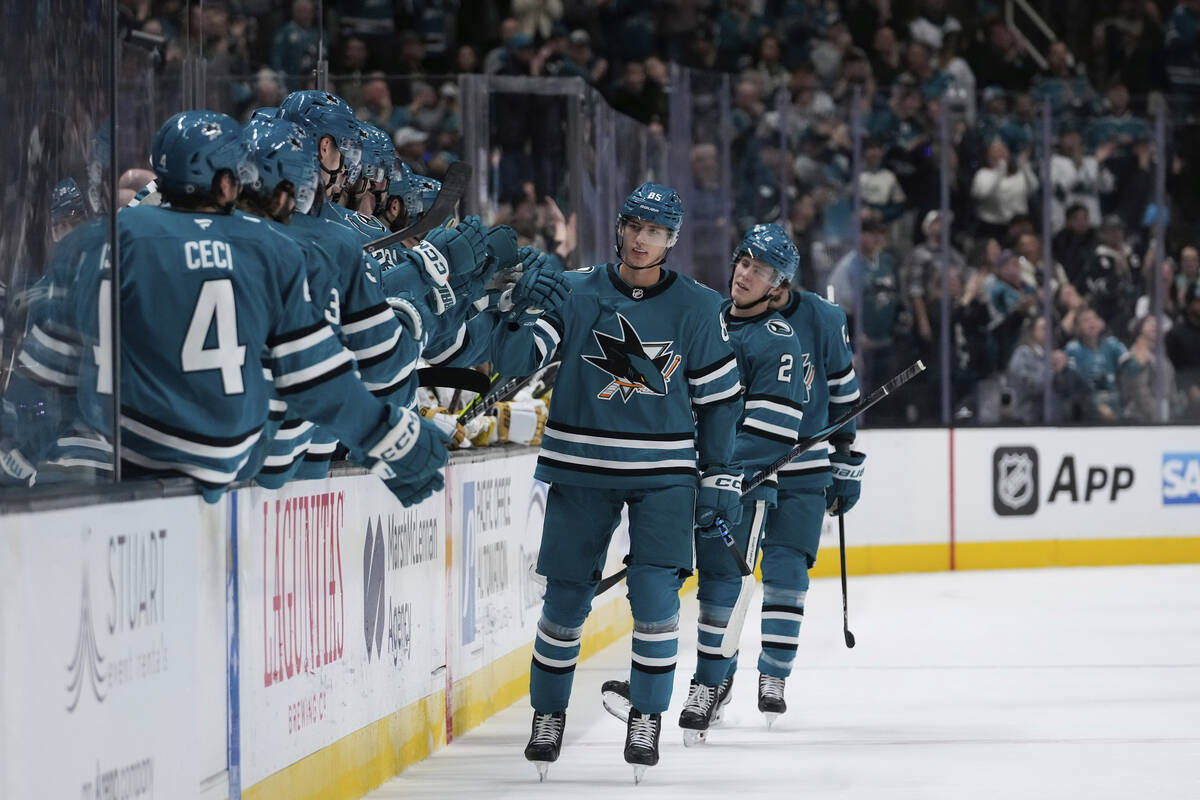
x,y
543,768
693,737
771,717
638,771
616,705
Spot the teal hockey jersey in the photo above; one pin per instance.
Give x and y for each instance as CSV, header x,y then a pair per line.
x,y
647,392
770,358
204,299
828,371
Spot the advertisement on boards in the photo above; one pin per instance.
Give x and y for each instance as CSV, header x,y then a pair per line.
x,y
1072,483
341,599
99,645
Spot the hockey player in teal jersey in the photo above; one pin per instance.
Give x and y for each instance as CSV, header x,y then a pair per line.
x,y
816,482
643,415
193,400
344,282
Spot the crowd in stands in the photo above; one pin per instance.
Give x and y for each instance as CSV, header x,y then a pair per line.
x,y
797,68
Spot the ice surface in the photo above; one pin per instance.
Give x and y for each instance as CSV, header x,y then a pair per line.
x,y
1053,683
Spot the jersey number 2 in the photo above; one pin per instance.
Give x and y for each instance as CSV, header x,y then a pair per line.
x,y
785,368
214,303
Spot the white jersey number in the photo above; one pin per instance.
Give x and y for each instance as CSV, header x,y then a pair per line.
x,y
215,302
785,368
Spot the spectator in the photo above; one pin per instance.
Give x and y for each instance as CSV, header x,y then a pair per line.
x,y
923,72
1002,189
579,60
979,397
1077,177
377,107
1128,46
803,228
1096,358
1074,243
923,267
887,61
1189,273
1183,348
1070,94
1067,305
1027,376
882,197
424,112
932,24
768,67
535,18
295,47
1000,61
349,69
497,57
739,30
870,278
855,76
1010,303
827,54
1183,55
637,97
1138,377
1118,125
410,58
1112,275
962,84
1029,247
410,147
1171,303
466,60
810,105
269,91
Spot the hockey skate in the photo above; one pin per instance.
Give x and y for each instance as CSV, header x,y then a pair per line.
x,y
545,740
641,741
770,697
701,709
615,696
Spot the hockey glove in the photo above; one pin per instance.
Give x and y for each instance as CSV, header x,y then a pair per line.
x,y
409,456
447,423
847,481
447,258
720,496
540,290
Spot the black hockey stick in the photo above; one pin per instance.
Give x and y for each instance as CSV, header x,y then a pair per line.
x,y
845,610
454,378
454,186
804,445
499,394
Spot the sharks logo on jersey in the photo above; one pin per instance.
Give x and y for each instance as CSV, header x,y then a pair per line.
x,y
636,367
810,373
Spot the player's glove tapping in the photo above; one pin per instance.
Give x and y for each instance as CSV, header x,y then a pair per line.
x,y
540,289
450,257
847,468
720,496
409,456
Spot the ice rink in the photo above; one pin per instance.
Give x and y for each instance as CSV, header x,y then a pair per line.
x,y
1053,683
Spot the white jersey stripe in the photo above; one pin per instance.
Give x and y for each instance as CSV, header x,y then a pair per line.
x,y
729,366
618,465
716,398
51,343
633,444
848,398
45,373
767,427
187,445
376,349
778,408
303,343
199,473
849,376
382,317
315,371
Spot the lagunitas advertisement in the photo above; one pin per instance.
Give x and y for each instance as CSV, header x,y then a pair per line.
x,y
98,647
341,613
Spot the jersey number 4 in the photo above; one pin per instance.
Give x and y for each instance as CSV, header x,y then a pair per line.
x,y
213,305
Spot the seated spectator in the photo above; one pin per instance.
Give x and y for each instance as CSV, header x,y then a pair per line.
x,y
768,66
1096,358
410,147
1027,376
923,71
828,52
1112,275
1073,245
882,197
1077,177
1138,377
887,60
1002,189
1183,348
1117,125
810,105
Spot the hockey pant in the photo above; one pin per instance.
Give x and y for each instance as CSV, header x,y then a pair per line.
x,y
789,551
579,524
721,590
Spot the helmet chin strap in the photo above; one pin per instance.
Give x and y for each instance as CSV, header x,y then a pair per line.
x,y
621,254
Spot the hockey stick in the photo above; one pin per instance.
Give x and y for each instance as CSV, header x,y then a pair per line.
x,y
454,186
845,611
802,446
454,378
500,394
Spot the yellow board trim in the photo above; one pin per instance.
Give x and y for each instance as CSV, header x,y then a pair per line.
x,y
356,764
1077,553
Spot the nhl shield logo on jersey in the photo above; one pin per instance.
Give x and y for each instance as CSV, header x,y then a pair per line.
x,y
636,367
